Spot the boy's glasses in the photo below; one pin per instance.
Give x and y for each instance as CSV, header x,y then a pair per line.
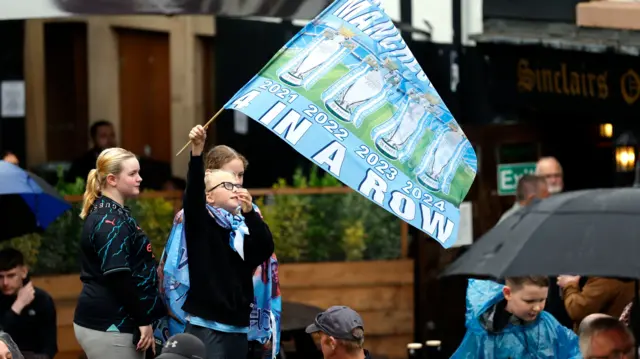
x,y
227,185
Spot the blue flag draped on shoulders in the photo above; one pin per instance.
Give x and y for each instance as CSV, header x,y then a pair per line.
x,y
347,93
267,305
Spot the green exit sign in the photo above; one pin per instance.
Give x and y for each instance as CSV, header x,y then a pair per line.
x,y
509,174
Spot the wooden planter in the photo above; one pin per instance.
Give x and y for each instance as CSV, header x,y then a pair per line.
x,y
65,290
381,291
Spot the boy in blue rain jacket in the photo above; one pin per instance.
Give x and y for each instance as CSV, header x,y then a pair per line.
x,y
508,321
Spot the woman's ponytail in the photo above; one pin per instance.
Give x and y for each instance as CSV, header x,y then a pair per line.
x,y
91,192
109,162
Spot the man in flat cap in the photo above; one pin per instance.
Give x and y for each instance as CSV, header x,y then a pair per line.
x,y
341,333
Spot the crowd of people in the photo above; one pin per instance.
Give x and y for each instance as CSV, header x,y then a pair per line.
x,y
219,266
128,308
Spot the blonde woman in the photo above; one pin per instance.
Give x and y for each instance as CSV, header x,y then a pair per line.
x,y
119,300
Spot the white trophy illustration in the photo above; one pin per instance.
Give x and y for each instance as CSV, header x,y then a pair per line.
x,y
315,60
442,157
432,103
361,90
399,135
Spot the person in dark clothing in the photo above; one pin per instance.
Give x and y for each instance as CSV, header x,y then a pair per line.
x,y
103,136
120,299
555,305
28,313
223,247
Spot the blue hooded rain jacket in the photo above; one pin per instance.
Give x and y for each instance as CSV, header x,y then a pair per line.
x,y
543,338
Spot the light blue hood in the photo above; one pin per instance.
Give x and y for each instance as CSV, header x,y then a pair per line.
x,y
481,296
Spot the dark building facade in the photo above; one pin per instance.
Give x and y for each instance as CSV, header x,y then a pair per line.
x,y
12,129
542,70
534,85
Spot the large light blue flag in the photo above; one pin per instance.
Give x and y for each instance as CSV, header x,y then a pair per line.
x,y
347,93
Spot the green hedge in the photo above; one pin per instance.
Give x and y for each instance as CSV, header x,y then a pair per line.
x,y
309,228
329,227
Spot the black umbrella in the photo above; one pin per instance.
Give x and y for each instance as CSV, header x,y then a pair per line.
x,y
588,233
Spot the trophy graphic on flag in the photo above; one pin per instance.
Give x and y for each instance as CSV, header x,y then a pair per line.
x,y
433,103
442,157
398,136
326,51
362,90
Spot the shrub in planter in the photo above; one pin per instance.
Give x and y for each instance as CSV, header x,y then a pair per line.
x,y
60,245
28,244
306,228
326,217
155,217
331,227
382,229
287,217
353,240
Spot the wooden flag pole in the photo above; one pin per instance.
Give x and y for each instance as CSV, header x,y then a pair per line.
x,y
205,127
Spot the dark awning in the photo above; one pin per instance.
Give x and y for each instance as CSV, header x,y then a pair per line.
x,y
560,36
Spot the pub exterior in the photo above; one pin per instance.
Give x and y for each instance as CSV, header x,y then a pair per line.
x,y
561,83
535,84
546,80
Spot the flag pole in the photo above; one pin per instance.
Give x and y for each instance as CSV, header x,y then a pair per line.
x,y
205,127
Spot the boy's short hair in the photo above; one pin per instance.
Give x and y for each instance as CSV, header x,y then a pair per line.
x,y
10,258
519,282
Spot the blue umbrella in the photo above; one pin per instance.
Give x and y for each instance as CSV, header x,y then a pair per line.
x,y
28,203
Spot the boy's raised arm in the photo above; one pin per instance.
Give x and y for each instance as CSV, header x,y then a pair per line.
x,y
194,199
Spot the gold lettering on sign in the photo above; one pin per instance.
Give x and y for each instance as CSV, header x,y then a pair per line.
x,y
630,86
562,81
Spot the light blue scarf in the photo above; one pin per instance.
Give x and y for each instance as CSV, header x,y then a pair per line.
x,y
267,306
235,223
